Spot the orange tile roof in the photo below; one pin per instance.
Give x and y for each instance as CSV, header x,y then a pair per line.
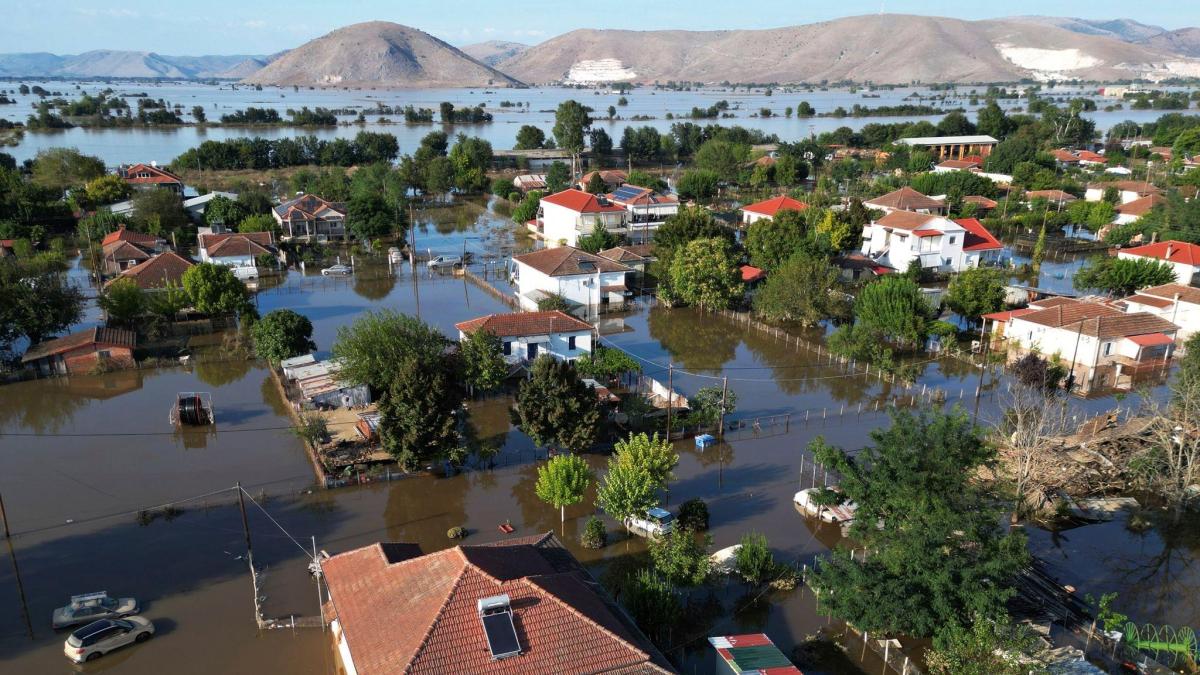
x,y
1141,205
1170,250
751,273
157,272
406,613
123,250
770,207
981,201
905,220
960,163
1051,195
122,234
629,253
1125,325
158,175
1070,312
1188,294
1151,339
977,238
254,243
518,324
580,202
1160,303
906,199
568,261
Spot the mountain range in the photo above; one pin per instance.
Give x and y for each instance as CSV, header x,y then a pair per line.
x,y
884,48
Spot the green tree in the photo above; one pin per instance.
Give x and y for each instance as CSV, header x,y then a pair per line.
x,y
482,357
282,334
554,406
373,349
1039,249
604,363
571,121
975,292
681,557
698,184
562,481
61,169
895,307
651,453
987,647
598,239
418,414
123,301
704,275
198,114
258,222
688,224
530,137
707,406
753,559
471,158
1123,276
991,121
214,290
645,179
159,211
938,559
558,177
37,304
596,184
224,211
106,189
773,241
628,489
724,158
369,216
652,603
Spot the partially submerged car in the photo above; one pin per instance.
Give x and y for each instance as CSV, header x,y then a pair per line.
x,y
101,637
838,513
654,522
88,607
338,270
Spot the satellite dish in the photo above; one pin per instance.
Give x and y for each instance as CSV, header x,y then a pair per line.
x,y
809,155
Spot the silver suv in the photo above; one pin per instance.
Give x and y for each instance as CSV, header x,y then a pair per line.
x,y
103,636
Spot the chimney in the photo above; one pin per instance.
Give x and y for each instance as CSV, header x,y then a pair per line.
x,y
1170,249
1153,237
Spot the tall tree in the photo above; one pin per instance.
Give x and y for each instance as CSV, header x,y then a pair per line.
x,y
562,481
530,137
773,241
1123,276
373,349
214,290
482,357
571,121
61,169
704,275
282,334
418,414
554,406
37,304
628,489
123,302
651,453
895,307
975,292
938,559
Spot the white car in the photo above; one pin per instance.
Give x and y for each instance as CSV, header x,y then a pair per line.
x,y
337,271
654,522
88,607
444,261
840,513
101,637
245,272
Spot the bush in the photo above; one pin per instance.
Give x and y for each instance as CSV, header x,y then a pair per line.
x,y
456,532
755,563
595,535
501,186
1032,370
693,515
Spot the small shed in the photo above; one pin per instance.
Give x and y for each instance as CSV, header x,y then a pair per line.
x,y
290,366
82,351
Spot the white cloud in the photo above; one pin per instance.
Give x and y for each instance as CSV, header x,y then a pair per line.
x,y
254,23
114,13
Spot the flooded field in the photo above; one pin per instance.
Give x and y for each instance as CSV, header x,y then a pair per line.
x,y
89,462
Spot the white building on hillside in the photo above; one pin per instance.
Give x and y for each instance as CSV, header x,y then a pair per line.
x,y
527,335
564,217
936,242
581,278
1182,256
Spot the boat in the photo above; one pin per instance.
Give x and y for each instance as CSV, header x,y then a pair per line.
x,y
193,409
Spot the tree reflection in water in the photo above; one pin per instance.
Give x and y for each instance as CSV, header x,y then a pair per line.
x,y
695,341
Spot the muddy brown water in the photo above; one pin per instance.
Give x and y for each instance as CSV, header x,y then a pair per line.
x,y
79,457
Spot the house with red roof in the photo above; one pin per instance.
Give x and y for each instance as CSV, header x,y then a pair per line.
x,y
1180,255
122,249
310,218
935,242
769,207
564,217
1134,210
522,605
528,335
582,279
1127,190
159,272
150,177
1176,303
82,351
646,210
235,249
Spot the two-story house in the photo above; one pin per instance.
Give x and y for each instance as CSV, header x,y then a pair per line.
x,y
752,213
150,177
122,249
1183,257
579,277
564,217
310,218
528,335
935,242
1176,303
645,210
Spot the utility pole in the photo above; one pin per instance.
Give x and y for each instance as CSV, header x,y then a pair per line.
x,y
317,572
670,397
4,516
724,393
245,522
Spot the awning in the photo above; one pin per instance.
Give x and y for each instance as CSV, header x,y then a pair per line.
x,y
927,233
614,288
1151,339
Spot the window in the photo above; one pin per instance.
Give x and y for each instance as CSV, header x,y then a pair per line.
x,y
507,348
532,350
571,343
952,239
1107,348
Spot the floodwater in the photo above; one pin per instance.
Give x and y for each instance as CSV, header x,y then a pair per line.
x,y
164,144
83,456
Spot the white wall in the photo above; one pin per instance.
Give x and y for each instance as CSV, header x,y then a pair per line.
x,y
933,251
1183,271
1183,314
581,289
560,224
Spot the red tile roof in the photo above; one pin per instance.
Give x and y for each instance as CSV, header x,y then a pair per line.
x,y
1051,195
254,243
568,261
98,337
1188,294
519,324
156,175
1142,205
1064,156
1150,301
1151,339
122,234
981,201
774,205
906,199
905,220
580,202
1170,250
158,272
609,176
629,253
402,613
751,273
927,233
1125,325
977,238
123,250
1089,156
960,163
1070,312
1005,316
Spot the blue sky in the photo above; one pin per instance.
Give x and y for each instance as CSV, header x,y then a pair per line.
x,y
264,26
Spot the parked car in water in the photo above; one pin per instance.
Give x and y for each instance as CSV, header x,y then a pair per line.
x,y
654,522
838,513
338,270
101,637
444,261
245,272
88,607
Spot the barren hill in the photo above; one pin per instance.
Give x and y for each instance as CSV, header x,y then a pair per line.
x,y
1121,29
494,51
1185,42
884,48
378,54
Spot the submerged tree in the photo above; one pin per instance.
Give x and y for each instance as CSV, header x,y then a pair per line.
x,y
482,354
562,481
555,407
282,334
418,415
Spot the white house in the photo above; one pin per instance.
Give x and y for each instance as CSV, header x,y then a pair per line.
x,y
965,164
564,217
1101,346
528,335
1176,303
1131,211
1129,190
952,147
310,218
768,208
579,277
235,250
906,199
195,206
1182,256
645,210
937,242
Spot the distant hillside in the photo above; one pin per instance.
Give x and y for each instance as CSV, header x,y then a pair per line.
x,y
112,63
494,51
1126,30
379,54
1185,42
887,48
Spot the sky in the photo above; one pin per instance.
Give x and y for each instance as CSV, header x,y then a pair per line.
x,y
187,27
